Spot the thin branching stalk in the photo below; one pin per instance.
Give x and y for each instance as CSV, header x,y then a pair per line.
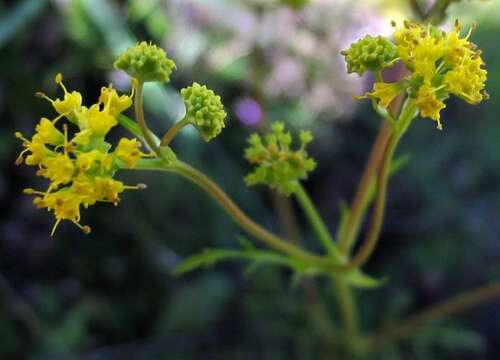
x,y
315,220
373,234
170,134
273,241
139,114
360,202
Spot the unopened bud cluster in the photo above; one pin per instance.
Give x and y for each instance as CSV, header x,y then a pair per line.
x,y
146,62
276,163
204,110
370,54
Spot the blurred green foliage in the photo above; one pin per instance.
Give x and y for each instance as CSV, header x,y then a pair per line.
x,y
112,295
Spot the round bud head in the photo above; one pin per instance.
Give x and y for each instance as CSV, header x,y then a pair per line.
x,y
204,110
370,53
146,62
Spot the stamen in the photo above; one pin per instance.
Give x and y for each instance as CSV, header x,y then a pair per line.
x,y
438,88
30,191
20,158
59,81
65,128
471,29
55,227
439,125
135,187
43,96
19,135
59,117
85,228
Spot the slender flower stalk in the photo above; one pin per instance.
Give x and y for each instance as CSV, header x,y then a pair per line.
x,y
268,238
368,246
172,132
316,222
139,115
346,299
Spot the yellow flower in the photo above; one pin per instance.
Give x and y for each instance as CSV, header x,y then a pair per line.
x,y
48,133
71,102
83,187
66,206
100,121
37,148
108,189
467,79
82,137
59,169
384,92
429,105
117,104
457,48
406,39
128,151
93,159
80,169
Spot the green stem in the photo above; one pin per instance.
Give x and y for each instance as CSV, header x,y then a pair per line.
x,y
250,226
344,294
362,197
348,309
170,134
315,220
371,239
139,114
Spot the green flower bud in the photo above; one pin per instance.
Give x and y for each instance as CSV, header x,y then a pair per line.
x,y
146,62
204,110
277,164
370,53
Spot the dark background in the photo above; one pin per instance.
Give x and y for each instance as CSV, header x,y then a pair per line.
x,y
112,294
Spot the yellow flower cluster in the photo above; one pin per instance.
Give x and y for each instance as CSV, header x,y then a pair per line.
x,y
440,64
80,169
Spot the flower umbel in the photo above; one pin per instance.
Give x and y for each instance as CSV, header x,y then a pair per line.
x,y
440,64
80,168
276,163
370,53
204,110
146,62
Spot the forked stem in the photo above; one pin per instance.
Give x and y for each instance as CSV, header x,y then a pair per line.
x,y
373,234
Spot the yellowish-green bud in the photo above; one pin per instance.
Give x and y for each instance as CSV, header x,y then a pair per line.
x,y
146,62
370,53
277,165
204,110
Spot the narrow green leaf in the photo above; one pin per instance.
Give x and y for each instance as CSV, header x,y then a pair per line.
x,y
358,279
212,256
399,163
344,215
245,243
